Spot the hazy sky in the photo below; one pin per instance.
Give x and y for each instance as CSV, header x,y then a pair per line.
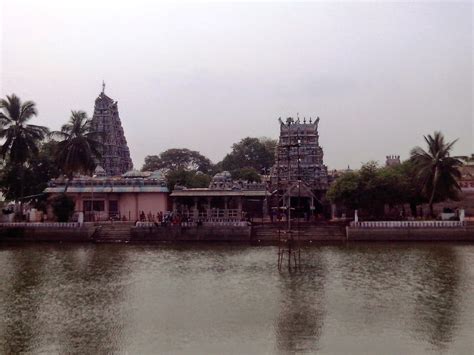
x,y
203,75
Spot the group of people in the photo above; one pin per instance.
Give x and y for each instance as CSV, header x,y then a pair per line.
x,y
167,218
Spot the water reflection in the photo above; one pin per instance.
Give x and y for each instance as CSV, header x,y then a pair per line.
x,y
19,328
398,286
376,298
61,299
301,317
438,298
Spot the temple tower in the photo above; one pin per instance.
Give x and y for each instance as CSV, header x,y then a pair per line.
x,y
115,154
299,169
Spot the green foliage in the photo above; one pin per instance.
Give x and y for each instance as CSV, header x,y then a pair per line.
x,y
178,159
186,178
345,190
63,207
437,170
37,172
250,153
248,174
410,186
79,147
21,139
372,187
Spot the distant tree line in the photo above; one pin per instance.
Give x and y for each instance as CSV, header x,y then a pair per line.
x,y
428,177
247,160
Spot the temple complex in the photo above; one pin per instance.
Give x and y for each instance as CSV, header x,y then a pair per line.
x,y
299,170
115,153
224,200
104,198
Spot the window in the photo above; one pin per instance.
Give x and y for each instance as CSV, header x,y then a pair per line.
x,y
113,206
98,205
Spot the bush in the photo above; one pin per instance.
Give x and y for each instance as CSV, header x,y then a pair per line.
x,y
63,207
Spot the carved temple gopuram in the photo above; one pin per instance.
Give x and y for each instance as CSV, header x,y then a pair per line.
x,y
299,176
106,120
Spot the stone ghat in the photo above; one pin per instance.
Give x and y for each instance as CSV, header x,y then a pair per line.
x,y
120,232
305,233
417,233
46,232
191,234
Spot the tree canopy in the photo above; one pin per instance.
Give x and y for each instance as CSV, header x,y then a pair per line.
x,y
79,148
248,174
373,187
21,142
21,139
437,170
38,172
257,153
178,159
186,178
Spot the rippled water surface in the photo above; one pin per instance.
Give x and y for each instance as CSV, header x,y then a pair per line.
x,y
225,299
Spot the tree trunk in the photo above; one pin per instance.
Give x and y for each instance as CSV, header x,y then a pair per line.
x,y
433,192
22,188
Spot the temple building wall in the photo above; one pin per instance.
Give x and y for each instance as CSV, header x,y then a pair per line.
x,y
124,198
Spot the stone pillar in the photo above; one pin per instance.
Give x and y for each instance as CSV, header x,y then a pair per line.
x,y
462,215
356,217
226,207
106,206
79,205
137,213
239,201
265,208
209,200
196,210
333,211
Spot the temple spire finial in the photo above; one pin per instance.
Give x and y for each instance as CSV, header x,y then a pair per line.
x,y
103,86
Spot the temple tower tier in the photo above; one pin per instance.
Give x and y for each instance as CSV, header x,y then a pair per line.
x,y
299,168
115,152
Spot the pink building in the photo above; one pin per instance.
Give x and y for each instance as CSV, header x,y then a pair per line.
x,y
125,197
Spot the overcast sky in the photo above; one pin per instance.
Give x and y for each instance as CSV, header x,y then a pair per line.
x,y
203,75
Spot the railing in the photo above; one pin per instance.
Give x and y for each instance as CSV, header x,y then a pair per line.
x,y
145,224
213,213
226,224
41,225
208,223
408,224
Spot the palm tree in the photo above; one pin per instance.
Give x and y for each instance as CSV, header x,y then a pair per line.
x,y
21,139
438,171
79,146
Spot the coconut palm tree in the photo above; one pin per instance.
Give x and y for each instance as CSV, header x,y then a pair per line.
x,y
438,171
21,140
79,146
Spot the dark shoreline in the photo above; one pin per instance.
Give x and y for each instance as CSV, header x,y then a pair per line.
x,y
253,235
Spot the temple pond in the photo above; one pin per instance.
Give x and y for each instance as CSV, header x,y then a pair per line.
x,y
216,299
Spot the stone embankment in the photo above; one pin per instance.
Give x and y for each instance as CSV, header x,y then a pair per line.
x,y
46,232
116,232
227,233
126,232
413,231
304,233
